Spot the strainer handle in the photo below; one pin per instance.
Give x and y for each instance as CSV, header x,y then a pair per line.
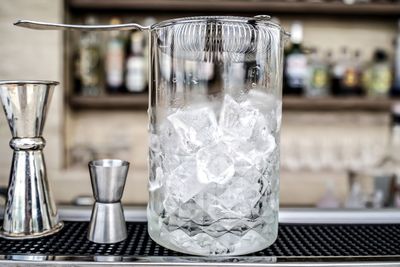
x,y
37,25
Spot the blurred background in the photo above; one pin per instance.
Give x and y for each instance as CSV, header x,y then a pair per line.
x,y
340,128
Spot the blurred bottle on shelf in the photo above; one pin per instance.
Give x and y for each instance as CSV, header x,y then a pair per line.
x,y
90,69
377,77
136,64
347,74
76,69
329,61
114,60
396,83
338,69
317,81
295,67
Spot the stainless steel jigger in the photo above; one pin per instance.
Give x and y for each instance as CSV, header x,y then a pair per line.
x,y
30,211
108,177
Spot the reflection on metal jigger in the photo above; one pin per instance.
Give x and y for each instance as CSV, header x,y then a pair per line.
x,y
107,224
30,211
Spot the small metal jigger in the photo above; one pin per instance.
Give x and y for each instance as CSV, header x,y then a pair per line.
x,y
30,211
108,177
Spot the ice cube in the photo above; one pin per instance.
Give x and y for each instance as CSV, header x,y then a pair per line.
x,y
182,183
168,139
262,143
237,119
262,101
194,127
268,105
255,152
249,172
170,203
264,151
215,164
172,154
241,196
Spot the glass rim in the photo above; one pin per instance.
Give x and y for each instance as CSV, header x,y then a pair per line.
x,y
25,82
108,163
263,19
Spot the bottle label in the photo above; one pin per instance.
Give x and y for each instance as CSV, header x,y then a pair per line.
x,y
115,64
89,63
296,69
350,78
136,74
319,78
381,80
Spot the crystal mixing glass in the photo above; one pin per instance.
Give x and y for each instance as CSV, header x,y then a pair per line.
x,y
215,114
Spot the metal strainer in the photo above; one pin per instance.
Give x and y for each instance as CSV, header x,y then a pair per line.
x,y
209,38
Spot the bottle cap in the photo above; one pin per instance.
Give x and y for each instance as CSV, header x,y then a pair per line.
x,y
296,32
380,55
149,21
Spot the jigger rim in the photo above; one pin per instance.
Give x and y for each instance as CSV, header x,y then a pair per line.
x,y
24,82
108,163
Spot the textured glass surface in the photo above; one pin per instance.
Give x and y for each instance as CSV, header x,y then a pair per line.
x,y
215,113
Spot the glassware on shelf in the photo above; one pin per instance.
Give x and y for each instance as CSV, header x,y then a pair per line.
x,y
356,199
379,183
329,199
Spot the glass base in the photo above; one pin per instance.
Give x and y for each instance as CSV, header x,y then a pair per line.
x,y
20,236
197,241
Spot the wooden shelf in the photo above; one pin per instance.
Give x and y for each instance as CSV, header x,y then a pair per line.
x,y
116,102
290,103
338,104
257,6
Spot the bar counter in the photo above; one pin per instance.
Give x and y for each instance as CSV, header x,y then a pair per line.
x,y
307,237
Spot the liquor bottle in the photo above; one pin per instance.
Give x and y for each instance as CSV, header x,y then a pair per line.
x,y
136,64
396,85
115,56
317,82
378,76
338,70
296,62
350,83
76,62
89,61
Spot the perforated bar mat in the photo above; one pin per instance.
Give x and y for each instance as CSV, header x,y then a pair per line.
x,y
308,241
